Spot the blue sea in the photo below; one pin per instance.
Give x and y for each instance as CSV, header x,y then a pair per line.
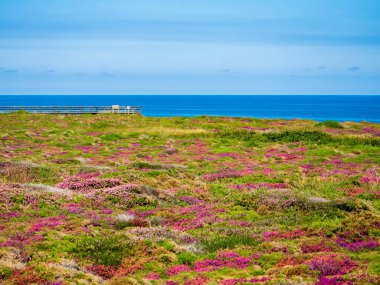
x,y
320,108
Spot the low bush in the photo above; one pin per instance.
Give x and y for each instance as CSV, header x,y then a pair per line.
x,y
330,124
228,242
186,258
269,260
299,136
5,272
146,165
239,135
107,250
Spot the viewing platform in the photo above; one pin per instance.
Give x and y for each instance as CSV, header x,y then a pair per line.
x,y
114,109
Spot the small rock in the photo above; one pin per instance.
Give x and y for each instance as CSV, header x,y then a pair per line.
x,y
318,200
125,217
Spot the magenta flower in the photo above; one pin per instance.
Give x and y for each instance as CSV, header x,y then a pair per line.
x,y
83,185
331,264
176,269
73,208
358,245
224,259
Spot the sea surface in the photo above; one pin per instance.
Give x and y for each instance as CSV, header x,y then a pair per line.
x,y
320,108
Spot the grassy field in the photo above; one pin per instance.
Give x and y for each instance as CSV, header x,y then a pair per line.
x,y
113,199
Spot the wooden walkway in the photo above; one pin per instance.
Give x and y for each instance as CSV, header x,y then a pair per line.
x,y
115,109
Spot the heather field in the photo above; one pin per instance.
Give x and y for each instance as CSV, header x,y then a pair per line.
x,y
113,199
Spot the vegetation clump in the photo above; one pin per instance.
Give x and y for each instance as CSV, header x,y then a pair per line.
x,y
105,250
330,124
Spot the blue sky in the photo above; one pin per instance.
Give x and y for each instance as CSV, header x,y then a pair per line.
x,y
190,47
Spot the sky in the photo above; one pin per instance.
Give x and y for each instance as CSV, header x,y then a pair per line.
x,y
189,47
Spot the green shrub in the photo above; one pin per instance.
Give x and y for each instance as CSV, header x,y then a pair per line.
x,y
269,260
230,242
187,258
330,124
167,245
299,136
146,165
107,250
120,225
239,135
319,138
353,141
374,265
5,272
20,112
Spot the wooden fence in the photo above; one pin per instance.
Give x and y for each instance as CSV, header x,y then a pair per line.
x,y
115,109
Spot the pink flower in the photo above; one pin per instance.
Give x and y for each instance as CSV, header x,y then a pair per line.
x,y
106,211
358,245
73,208
153,276
83,185
201,280
224,259
255,186
176,269
227,173
331,264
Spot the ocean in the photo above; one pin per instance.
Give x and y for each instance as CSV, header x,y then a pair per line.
x,y
320,108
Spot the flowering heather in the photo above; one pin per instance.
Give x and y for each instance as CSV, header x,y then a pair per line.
x,y
200,280
274,235
190,200
177,269
244,281
359,245
316,246
153,276
82,185
88,149
105,272
111,199
228,173
331,281
371,176
228,154
195,216
33,233
224,259
50,223
123,192
73,208
375,132
286,154
331,264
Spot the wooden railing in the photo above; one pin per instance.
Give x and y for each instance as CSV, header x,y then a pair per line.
x,y
72,109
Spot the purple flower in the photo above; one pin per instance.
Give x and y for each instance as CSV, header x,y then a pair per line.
x,y
358,245
224,259
331,264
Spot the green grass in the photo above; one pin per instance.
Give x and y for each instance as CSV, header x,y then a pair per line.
x,y
107,250
228,242
330,124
